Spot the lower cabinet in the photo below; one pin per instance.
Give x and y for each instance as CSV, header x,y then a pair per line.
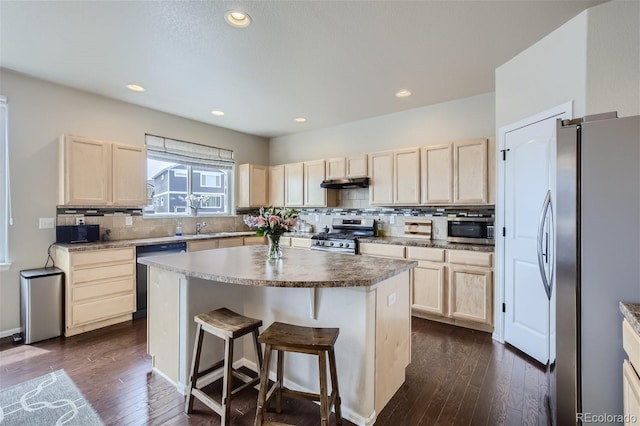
x,y
630,379
100,287
214,243
452,286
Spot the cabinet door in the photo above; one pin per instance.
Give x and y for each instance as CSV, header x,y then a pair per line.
x,y
298,242
406,179
202,245
129,167
294,185
428,288
437,174
471,294
314,173
253,185
231,242
336,168
85,171
255,241
631,393
470,172
276,186
357,166
381,182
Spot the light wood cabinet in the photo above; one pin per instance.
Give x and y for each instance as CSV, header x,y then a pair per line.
x,y
341,167
299,242
100,173
314,173
381,178
470,172
255,241
437,174
294,184
451,286
276,186
406,176
202,245
100,287
471,294
357,166
630,379
336,168
253,185
231,242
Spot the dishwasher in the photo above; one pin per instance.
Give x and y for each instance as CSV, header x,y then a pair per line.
x,y
141,271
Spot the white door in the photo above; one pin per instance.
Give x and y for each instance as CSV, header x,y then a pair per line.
x,y
529,174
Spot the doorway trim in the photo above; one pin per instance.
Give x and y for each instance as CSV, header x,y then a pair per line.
x,y
499,273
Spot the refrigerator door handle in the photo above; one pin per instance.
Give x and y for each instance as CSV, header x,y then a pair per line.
x,y
543,257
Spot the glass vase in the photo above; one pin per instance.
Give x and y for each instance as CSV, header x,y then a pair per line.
x,y
274,251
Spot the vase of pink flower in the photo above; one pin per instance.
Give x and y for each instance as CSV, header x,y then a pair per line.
x,y
272,222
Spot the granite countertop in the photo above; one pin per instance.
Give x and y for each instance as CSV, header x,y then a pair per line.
x,y
99,245
631,312
424,242
248,265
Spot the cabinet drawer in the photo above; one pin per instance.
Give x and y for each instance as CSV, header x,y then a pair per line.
x,y
631,393
382,250
231,242
301,242
103,273
285,241
103,256
84,292
425,253
202,245
103,309
631,343
466,257
254,241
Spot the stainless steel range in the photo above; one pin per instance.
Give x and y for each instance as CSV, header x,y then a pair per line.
x,y
343,236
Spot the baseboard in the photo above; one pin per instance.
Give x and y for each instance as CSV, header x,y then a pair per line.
x,y
8,333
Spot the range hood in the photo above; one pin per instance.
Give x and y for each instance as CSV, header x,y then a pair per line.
x,y
346,183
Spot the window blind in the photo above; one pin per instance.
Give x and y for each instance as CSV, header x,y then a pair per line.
x,y
188,153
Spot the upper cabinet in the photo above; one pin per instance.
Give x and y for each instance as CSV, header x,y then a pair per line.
x,y
470,172
406,176
381,178
314,174
294,185
357,166
253,185
437,174
342,167
276,186
100,173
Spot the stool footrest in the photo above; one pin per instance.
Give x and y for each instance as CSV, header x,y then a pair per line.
x,y
207,400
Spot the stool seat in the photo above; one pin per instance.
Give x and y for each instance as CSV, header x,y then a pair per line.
x,y
300,338
283,338
228,326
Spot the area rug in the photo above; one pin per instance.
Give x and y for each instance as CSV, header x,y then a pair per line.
x,y
52,399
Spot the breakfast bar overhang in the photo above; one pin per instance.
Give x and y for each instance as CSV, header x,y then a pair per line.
x,y
367,298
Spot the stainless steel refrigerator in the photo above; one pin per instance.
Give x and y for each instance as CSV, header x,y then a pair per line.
x,y
597,258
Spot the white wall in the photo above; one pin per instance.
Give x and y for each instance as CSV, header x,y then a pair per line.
x,y
455,120
38,113
549,73
613,58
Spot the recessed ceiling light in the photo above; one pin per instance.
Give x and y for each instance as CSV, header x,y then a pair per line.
x,y
216,112
301,120
237,18
135,88
403,94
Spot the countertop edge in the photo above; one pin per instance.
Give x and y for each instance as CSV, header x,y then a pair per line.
x,y
631,312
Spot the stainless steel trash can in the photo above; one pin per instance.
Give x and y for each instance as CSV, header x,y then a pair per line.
x,y
41,303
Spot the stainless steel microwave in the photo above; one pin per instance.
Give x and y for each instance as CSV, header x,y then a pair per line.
x,y
473,230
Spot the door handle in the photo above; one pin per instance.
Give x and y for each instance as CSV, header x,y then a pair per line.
x,y
543,257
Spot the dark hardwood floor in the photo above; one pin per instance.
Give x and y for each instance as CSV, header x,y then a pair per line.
x,y
457,376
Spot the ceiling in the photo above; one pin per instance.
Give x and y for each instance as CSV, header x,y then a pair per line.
x,y
331,62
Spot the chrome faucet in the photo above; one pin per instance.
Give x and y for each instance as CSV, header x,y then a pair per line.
x,y
200,226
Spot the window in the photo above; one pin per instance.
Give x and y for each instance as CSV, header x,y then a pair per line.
x,y
5,215
188,178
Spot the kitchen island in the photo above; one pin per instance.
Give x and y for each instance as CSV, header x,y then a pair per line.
x,y
368,299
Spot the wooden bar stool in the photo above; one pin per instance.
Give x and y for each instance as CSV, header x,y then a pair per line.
x,y
228,326
307,340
